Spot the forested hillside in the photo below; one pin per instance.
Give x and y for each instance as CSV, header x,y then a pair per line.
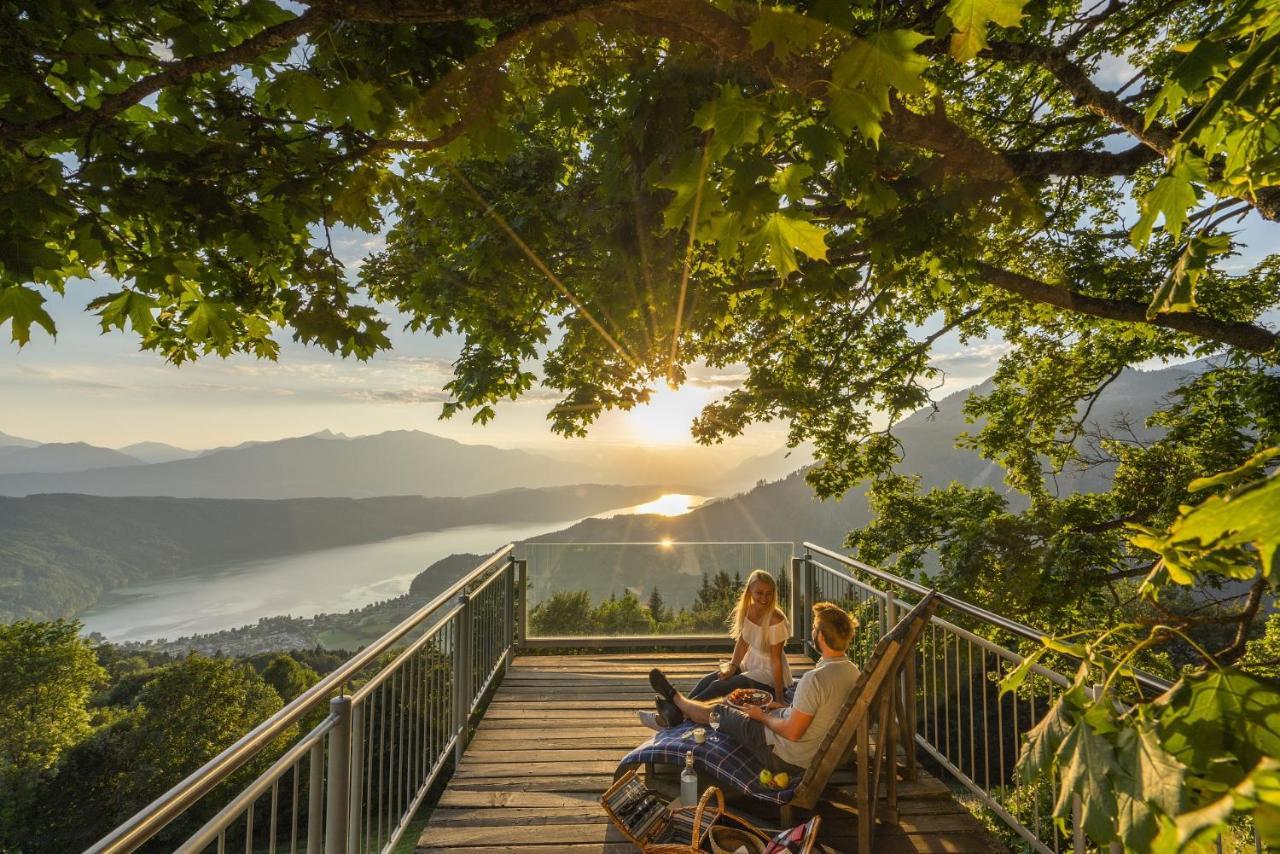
x,y
787,510
58,553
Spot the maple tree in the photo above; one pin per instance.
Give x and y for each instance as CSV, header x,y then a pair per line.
x,y
596,194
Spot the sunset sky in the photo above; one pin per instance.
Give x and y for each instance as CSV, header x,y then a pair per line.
x,y
101,389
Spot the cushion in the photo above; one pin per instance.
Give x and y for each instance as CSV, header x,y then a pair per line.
x,y
724,759
793,840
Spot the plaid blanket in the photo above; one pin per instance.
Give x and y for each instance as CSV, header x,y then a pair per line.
x,y
723,759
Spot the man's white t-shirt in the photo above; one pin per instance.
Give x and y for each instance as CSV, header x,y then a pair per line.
x,y
822,693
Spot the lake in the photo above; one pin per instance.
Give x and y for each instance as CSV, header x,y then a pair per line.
x,y
302,585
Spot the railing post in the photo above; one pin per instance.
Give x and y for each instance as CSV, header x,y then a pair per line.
x,y
335,831
508,613
315,800
462,676
522,600
355,803
797,600
806,611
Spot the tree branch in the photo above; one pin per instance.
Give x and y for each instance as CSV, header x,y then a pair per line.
x,y
319,14
1236,649
1100,164
75,120
1242,336
1087,93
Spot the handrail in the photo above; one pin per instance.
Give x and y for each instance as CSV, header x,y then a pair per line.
x,y
152,818
1145,679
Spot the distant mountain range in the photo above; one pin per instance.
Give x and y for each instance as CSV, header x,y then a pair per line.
x,y
395,463
58,553
16,441
157,452
60,457
786,510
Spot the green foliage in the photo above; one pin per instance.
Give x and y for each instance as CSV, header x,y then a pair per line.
x,y
289,677
971,19
563,613
658,611
1165,774
571,612
1234,534
49,674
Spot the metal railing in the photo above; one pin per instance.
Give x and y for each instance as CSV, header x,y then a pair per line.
x,y
347,773
959,717
354,779
600,571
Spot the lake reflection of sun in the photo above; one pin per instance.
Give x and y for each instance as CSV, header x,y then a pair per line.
x,y
671,504
666,418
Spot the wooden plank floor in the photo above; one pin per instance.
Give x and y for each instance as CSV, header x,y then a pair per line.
x,y
551,738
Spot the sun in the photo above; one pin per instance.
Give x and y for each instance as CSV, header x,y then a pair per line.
x,y
666,418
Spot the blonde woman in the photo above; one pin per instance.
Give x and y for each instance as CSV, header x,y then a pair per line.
x,y
761,630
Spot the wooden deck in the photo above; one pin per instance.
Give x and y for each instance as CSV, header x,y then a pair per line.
x,y
550,740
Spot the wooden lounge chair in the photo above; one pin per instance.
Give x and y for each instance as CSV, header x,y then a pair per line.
x,y
883,696
876,699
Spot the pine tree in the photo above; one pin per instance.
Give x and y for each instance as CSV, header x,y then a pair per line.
x,y
657,608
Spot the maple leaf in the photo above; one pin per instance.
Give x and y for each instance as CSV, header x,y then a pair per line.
x,y
135,307
862,76
1178,293
1087,761
733,120
787,32
780,237
1173,195
22,306
971,18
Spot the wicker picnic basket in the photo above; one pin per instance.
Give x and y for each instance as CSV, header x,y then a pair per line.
x,y
660,829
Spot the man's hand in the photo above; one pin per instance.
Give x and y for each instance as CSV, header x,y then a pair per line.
x,y
754,712
774,706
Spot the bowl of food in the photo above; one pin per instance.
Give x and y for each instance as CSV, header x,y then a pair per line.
x,y
732,840
749,697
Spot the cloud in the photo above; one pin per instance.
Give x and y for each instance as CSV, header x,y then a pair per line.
x,y
979,359
719,382
397,395
78,376
1113,72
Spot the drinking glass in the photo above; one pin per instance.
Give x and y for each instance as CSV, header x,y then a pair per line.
x,y
715,721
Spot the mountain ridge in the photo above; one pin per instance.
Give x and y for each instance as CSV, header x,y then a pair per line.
x,y
398,462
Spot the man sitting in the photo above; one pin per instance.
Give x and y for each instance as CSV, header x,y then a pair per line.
x,y
781,737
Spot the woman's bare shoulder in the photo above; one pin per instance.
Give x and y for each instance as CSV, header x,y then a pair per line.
x,y
777,617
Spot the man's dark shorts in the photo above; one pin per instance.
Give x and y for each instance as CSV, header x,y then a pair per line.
x,y
750,734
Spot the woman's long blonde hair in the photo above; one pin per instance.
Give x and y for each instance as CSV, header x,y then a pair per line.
x,y
739,614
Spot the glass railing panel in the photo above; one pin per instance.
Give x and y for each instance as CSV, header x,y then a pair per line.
x,y
656,588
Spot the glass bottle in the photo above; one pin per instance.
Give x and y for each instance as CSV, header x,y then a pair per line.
x,y
688,782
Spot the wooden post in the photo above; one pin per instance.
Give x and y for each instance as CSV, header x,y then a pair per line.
x,y
866,799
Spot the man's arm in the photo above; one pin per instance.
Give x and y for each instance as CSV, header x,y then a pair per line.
x,y
791,727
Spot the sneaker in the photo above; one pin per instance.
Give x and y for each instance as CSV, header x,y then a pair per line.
x,y
669,713
660,683
651,720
